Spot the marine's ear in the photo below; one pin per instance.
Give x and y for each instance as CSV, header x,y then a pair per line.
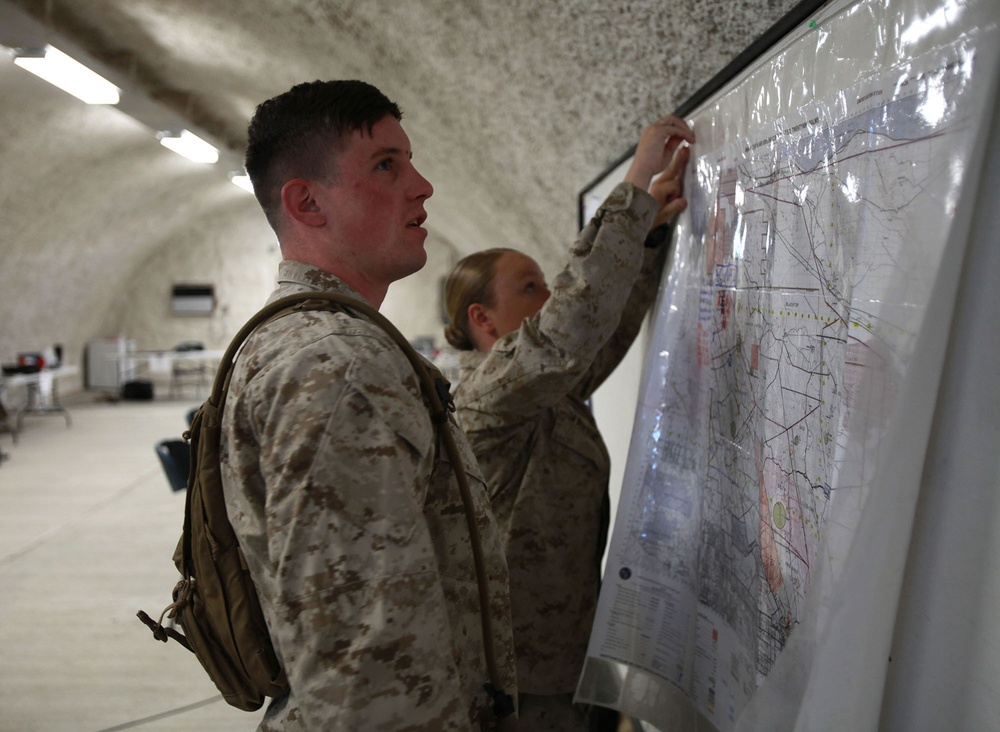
x,y
298,198
484,330
479,316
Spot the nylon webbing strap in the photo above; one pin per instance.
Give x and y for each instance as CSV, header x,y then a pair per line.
x,y
440,401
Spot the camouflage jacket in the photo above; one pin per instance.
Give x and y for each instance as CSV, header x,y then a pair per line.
x,y
354,529
523,407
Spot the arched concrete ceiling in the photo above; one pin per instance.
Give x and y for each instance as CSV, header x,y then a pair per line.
x,y
512,106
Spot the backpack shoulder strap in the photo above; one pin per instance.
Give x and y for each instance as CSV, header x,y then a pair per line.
x,y
437,394
326,300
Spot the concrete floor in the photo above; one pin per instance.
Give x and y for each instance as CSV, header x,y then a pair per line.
x,y
86,540
86,537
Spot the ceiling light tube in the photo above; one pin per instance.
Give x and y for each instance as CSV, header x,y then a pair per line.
x,y
241,180
69,75
190,146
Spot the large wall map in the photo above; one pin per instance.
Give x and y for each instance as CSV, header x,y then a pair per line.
x,y
800,280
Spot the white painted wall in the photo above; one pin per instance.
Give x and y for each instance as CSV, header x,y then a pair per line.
x,y
614,409
945,667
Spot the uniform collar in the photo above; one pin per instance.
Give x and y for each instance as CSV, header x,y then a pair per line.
x,y
299,275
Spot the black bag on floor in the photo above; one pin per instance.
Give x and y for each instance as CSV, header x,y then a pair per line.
x,y
138,390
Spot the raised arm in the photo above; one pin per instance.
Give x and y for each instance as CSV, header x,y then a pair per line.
x,y
546,358
667,189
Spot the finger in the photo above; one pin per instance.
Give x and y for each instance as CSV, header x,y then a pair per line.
x,y
670,148
670,183
676,126
677,163
665,189
669,212
676,155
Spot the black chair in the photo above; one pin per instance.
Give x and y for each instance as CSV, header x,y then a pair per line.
x,y
175,456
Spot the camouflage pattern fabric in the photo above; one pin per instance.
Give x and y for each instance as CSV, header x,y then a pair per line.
x,y
523,408
354,529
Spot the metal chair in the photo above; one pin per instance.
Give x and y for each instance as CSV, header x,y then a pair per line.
x,y
8,423
184,371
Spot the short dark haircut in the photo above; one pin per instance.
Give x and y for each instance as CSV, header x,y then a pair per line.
x,y
292,135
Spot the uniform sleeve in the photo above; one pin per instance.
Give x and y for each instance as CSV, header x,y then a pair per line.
x,y
358,615
537,365
640,300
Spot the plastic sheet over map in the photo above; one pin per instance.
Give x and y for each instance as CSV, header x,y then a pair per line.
x,y
823,189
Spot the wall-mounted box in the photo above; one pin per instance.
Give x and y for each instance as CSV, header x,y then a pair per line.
x,y
192,299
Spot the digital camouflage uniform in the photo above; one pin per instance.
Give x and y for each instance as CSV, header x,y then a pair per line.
x,y
354,529
523,407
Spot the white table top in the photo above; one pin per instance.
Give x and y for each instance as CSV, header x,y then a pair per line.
x,y
38,376
167,356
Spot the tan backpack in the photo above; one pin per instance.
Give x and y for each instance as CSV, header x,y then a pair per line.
x,y
215,601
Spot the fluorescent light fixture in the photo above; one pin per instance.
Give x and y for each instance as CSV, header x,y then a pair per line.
x,y
190,146
241,180
68,74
